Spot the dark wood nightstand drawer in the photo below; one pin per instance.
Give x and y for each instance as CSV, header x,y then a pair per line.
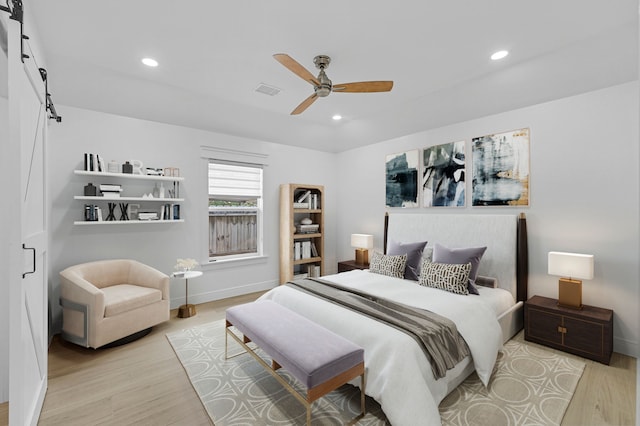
x,y
350,265
587,332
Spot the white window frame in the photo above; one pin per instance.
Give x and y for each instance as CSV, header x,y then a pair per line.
x,y
243,158
229,187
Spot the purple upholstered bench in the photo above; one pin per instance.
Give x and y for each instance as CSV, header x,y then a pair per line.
x,y
320,359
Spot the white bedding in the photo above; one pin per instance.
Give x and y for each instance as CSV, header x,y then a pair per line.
x,y
398,375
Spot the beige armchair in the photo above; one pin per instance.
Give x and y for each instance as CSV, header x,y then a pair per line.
x,y
107,300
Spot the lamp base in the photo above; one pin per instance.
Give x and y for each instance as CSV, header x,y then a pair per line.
x,y
362,256
570,293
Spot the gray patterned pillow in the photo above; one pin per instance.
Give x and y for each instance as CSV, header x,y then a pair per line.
x,y
392,266
451,277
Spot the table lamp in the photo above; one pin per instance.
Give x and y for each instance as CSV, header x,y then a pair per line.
x,y
572,268
362,242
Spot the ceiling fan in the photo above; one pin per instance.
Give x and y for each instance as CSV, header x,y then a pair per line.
x,y
322,86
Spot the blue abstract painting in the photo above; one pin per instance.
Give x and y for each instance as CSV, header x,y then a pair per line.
x,y
443,175
501,169
402,179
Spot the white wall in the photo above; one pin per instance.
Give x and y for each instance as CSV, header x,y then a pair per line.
x,y
4,265
159,245
584,193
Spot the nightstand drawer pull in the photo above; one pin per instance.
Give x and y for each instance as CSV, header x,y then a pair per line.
x,y
562,330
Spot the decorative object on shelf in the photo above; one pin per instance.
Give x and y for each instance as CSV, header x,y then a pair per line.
x,y
402,179
443,175
172,171
156,191
127,168
154,172
306,221
570,266
137,167
362,244
501,169
90,190
124,208
112,167
112,212
132,211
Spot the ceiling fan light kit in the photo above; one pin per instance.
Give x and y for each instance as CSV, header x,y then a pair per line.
x,y
322,85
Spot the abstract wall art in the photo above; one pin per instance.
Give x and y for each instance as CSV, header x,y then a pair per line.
x,y
443,175
501,169
402,179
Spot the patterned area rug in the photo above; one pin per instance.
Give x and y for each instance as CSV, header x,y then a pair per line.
x,y
530,386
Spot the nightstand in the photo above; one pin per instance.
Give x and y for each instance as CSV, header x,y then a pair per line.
x,y
587,332
350,265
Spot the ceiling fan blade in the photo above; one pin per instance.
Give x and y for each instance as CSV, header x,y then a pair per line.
x,y
304,104
296,68
363,87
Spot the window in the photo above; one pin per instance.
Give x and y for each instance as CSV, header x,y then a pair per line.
x,y
235,210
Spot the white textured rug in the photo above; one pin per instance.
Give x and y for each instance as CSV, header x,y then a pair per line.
x,y
530,386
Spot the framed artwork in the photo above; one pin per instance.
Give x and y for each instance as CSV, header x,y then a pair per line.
x,y
443,175
402,179
501,169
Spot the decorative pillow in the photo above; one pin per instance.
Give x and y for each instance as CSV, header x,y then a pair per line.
x,y
392,266
414,257
451,277
442,254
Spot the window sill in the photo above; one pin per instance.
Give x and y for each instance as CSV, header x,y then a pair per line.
x,y
232,263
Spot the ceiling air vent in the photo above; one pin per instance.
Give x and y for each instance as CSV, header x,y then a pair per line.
x,y
267,90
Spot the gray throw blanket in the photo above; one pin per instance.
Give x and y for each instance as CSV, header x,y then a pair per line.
x,y
438,336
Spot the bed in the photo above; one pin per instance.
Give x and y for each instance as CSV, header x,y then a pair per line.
x,y
398,375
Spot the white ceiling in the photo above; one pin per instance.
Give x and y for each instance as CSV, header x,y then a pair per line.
x,y
213,54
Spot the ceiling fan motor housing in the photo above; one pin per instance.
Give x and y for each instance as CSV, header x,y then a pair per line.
x,y
324,88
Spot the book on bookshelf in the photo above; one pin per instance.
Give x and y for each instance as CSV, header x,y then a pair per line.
x,y
306,249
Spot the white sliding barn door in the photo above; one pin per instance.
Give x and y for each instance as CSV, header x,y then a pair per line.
x,y
27,271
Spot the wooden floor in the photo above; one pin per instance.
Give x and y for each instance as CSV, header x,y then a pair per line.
x,y
143,383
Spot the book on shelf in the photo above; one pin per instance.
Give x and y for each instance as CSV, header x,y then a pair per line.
x,y
306,249
314,250
308,229
297,251
94,163
110,187
302,198
147,215
314,205
301,205
92,213
110,194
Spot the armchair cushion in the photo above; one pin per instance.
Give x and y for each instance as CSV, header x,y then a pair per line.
x,y
111,299
126,297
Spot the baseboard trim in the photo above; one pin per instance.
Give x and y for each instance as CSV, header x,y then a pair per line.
x,y
210,296
626,347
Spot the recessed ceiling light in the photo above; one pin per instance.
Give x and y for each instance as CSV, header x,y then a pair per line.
x,y
499,55
150,62
337,117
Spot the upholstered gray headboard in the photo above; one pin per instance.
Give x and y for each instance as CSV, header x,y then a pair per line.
x,y
501,235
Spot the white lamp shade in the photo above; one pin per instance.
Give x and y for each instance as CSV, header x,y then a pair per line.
x,y
364,241
571,265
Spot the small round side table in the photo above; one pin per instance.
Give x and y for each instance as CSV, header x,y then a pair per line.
x,y
187,310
